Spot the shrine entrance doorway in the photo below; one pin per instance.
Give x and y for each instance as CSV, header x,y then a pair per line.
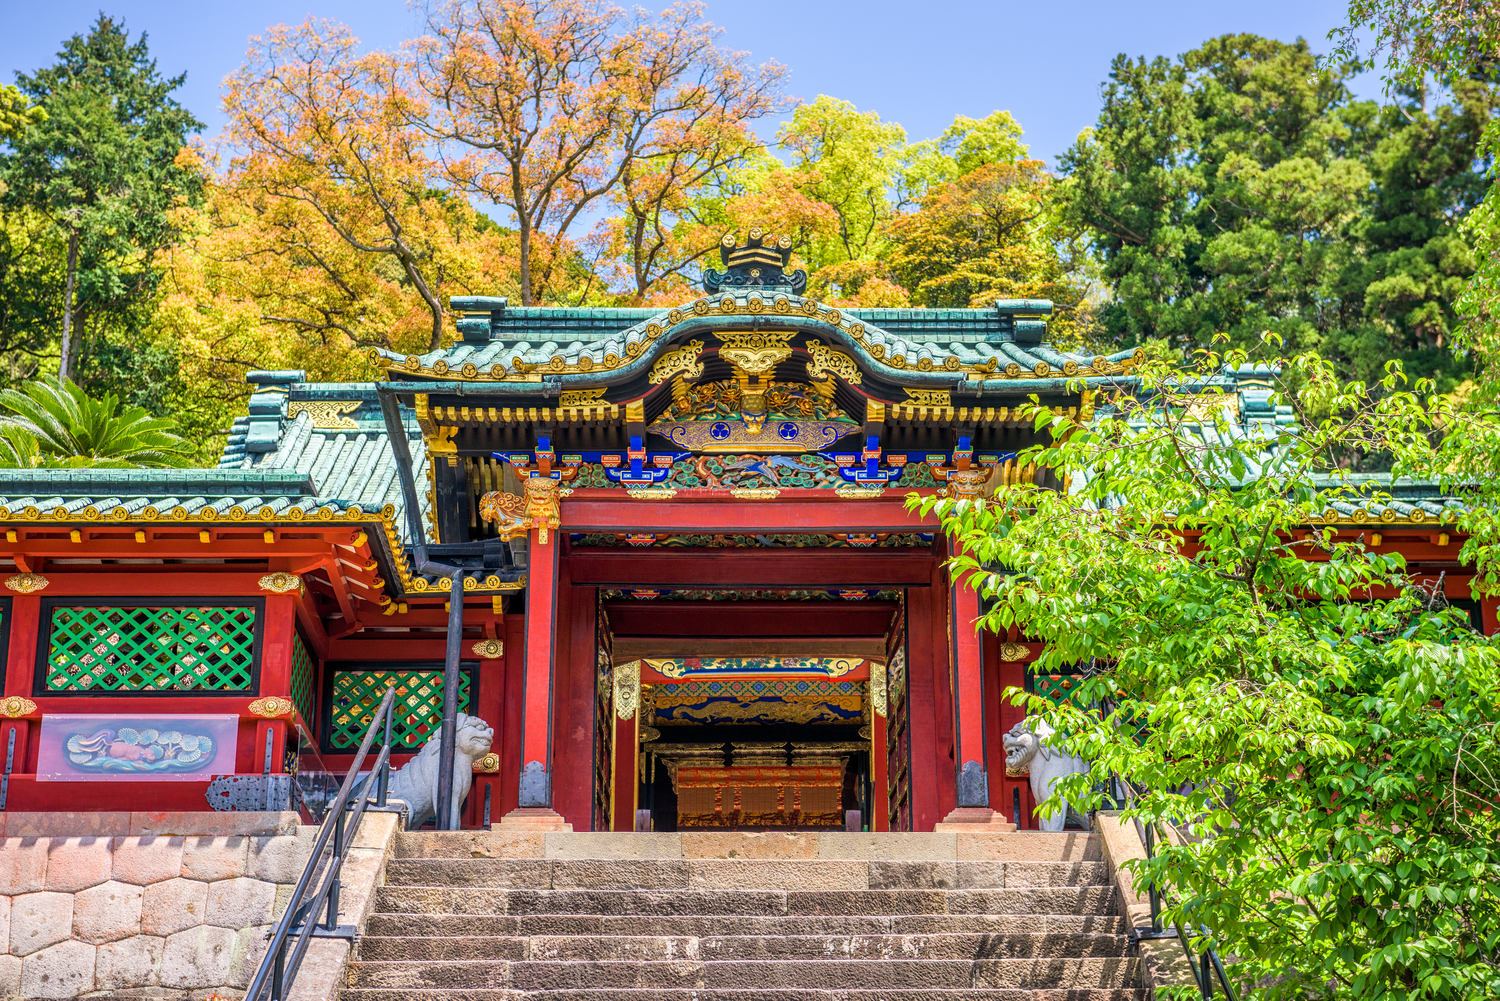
x,y
766,731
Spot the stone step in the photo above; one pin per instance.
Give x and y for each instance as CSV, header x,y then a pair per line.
x,y
925,994
714,948
1020,846
767,903
832,974
744,874
484,925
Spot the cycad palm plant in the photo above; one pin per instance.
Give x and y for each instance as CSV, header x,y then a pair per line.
x,y
72,430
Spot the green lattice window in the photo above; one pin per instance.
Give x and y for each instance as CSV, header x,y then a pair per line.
x,y
419,705
1060,688
115,649
303,672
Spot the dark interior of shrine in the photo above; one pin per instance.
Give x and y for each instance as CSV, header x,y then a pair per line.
x,y
780,730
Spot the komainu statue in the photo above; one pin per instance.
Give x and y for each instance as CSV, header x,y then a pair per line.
x,y
416,784
1028,751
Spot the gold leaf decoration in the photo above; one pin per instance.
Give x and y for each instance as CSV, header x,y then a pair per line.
x,y
15,707
26,583
281,582
628,689
1013,652
272,707
488,649
489,763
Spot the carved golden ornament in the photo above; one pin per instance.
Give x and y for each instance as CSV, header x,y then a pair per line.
x,y
650,493
679,361
1011,652
729,240
929,397
649,733
700,306
628,689
826,359
489,763
26,583
758,353
865,732
782,304
727,304
582,397
967,484
754,493
272,707
281,582
850,492
877,689
488,649
516,515
15,707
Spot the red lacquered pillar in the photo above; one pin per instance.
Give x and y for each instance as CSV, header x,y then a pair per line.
x,y
534,793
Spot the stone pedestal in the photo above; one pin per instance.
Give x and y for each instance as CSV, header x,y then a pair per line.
x,y
532,818
974,820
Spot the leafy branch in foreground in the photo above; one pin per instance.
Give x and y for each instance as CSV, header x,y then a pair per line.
x,y
1314,729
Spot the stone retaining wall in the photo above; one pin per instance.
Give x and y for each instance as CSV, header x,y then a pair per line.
x,y
80,915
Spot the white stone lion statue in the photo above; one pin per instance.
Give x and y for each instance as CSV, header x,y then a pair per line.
x,y
416,783
1028,752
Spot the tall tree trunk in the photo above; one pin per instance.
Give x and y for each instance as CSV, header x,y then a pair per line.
x,y
67,331
524,232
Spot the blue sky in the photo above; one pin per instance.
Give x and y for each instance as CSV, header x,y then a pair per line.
x,y
917,63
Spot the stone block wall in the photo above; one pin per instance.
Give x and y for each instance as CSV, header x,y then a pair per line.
x,y
184,916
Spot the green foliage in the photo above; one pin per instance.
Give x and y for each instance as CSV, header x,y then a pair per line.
x,y
63,426
1320,733
1241,189
102,166
17,115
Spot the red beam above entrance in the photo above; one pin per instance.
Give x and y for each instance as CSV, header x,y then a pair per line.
x,y
759,619
746,568
823,512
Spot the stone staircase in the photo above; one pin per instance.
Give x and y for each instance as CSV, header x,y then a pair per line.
x,y
478,916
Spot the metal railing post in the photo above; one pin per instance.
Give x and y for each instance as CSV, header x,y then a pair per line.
x,y
384,779
332,921
448,743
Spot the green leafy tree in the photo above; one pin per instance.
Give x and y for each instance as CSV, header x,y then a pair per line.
x,y
17,115
103,167
847,160
1241,188
66,427
1319,734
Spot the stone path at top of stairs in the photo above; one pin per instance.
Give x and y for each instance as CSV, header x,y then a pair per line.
x,y
726,916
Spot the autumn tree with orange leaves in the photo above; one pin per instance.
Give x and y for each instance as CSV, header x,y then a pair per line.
x,y
548,108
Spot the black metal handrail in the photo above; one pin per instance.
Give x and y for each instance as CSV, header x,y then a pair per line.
x,y
279,966
1206,962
